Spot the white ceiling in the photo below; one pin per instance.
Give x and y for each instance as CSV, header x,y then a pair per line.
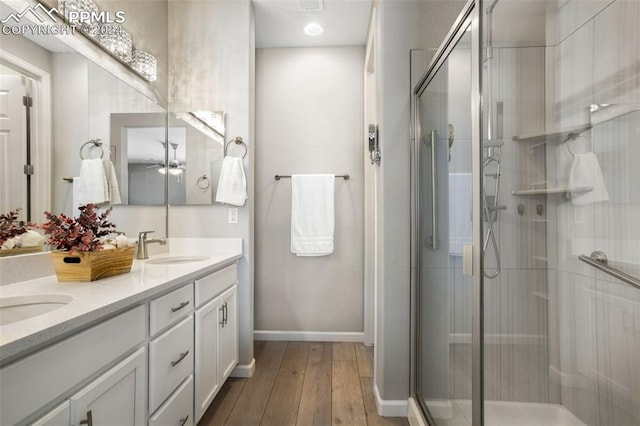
x,y
280,23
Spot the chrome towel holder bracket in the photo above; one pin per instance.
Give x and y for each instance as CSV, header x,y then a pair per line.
x,y
238,141
92,143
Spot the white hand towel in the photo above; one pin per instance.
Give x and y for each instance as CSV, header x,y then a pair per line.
x,y
232,185
460,208
112,182
91,186
312,214
584,174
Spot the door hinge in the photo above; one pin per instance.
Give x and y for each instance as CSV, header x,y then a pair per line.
x,y
28,169
27,101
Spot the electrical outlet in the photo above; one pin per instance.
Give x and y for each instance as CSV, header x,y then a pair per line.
x,y
232,215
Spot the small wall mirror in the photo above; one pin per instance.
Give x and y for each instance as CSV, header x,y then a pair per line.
x,y
191,167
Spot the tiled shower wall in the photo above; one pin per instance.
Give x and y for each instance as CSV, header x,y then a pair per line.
x,y
596,346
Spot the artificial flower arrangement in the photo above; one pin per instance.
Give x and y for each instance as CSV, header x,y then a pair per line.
x,y
16,237
90,231
87,247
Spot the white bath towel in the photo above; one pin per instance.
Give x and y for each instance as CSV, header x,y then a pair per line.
x,y
91,186
112,182
312,214
232,185
460,209
586,183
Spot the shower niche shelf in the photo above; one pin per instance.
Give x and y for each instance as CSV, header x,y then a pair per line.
x,y
556,136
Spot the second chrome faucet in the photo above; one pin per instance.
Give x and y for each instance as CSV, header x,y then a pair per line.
x,y
143,241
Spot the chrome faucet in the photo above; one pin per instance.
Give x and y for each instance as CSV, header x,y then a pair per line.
x,y
143,241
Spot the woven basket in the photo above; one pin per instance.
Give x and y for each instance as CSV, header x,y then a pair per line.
x,y
92,265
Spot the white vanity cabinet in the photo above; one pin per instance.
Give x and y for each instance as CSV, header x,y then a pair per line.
x,y
161,362
216,335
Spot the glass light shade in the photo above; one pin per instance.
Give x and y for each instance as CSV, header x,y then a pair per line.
x,y
119,43
145,64
89,27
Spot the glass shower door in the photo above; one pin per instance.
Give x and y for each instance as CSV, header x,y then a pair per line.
x,y
444,198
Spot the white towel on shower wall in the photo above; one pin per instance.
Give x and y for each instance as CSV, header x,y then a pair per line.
x,y
460,211
585,173
232,185
312,214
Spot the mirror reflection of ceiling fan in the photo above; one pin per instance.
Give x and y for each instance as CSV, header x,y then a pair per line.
x,y
175,166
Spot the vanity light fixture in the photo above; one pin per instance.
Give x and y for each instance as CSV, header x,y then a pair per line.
x,y
313,29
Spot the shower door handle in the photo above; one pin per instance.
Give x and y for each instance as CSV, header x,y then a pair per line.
x,y
433,239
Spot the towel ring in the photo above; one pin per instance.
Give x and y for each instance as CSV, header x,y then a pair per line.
x,y
203,182
94,142
572,137
238,141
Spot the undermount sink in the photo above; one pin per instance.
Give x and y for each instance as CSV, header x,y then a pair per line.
x,y
176,260
19,308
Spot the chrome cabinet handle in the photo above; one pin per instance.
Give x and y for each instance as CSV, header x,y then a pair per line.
x,y
225,313
180,306
89,420
184,421
177,361
221,309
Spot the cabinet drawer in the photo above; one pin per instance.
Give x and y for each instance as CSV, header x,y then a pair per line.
x,y
169,308
178,410
36,380
210,286
170,361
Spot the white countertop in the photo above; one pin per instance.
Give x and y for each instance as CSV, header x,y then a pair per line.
x,y
93,301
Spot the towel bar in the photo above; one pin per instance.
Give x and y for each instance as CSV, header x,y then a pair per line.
x,y
278,177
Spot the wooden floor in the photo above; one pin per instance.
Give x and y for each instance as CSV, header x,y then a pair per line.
x,y
301,383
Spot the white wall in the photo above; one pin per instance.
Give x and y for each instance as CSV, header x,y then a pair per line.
x,y
220,34
309,115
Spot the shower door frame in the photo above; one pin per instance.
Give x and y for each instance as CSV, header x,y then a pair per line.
x,y
470,15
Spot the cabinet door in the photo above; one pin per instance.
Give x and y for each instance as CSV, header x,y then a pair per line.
x,y
206,371
228,334
115,398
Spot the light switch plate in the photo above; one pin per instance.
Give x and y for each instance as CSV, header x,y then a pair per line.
x,y
232,215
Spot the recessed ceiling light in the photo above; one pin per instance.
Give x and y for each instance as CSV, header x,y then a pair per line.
x,y
313,29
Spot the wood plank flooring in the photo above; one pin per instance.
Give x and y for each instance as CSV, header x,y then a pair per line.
x,y
301,383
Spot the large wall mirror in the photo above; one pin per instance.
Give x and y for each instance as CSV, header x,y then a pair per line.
x,y
86,104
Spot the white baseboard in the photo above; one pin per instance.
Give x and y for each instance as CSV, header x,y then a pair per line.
x,y
390,408
308,336
414,414
244,371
